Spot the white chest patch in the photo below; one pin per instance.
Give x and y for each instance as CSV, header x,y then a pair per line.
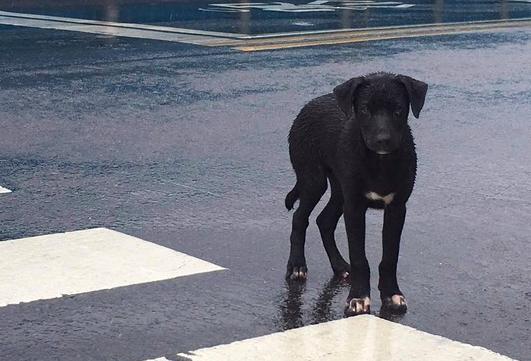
x,y
373,196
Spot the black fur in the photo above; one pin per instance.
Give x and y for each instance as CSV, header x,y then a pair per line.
x,y
357,140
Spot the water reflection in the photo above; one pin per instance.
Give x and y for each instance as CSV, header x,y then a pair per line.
x,y
504,10
346,18
291,306
438,11
245,20
111,11
324,308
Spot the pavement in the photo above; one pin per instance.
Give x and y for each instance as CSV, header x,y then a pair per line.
x,y
184,146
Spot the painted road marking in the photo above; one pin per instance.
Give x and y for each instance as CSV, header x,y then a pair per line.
x,y
313,6
279,41
260,42
111,30
4,190
357,338
51,266
136,26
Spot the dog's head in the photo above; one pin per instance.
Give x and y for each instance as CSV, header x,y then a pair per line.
x,y
380,103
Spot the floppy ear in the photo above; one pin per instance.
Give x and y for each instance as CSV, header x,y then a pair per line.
x,y
345,94
416,91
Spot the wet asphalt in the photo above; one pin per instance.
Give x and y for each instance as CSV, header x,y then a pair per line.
x,y
273,17
186,147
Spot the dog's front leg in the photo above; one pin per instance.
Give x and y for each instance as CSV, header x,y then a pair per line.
x,y
392,298
358,301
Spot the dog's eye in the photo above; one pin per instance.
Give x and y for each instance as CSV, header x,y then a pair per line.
x,y
398,113
364,111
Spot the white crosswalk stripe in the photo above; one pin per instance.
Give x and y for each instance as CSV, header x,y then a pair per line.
x,y
50,266
358,338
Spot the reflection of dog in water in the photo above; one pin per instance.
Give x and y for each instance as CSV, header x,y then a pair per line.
x,y
291,305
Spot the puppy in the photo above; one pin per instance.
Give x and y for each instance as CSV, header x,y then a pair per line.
x,y
358,139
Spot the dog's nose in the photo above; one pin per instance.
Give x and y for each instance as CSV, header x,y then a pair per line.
x,y
383,141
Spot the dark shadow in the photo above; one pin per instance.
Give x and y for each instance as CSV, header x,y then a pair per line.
x,y
393,317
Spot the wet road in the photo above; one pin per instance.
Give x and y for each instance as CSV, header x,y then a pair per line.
x,y
186,147
272,17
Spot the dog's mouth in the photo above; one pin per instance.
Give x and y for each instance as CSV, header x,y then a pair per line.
x,y
381,152
380,149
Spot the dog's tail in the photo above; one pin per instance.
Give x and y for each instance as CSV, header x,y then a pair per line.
x,y
292,196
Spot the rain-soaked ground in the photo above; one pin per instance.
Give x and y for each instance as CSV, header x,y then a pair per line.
x,y
272,16
186,147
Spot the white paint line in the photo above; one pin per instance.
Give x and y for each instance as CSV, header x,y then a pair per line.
x,y
108,30
357,338
382,28
51,266
4,190
136,26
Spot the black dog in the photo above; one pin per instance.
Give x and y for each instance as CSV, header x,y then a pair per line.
x,y
359,139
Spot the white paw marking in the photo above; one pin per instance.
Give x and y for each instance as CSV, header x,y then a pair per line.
x,y
298,274
398,300
373,196
360,305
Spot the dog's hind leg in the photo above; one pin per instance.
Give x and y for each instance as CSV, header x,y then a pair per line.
x,y
311,189
327,222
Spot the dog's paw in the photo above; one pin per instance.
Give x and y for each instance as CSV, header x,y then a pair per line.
x,y
358,306
341,270
395,304
297,273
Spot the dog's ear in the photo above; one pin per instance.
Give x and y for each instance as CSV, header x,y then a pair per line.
x,y
416,90
345,94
